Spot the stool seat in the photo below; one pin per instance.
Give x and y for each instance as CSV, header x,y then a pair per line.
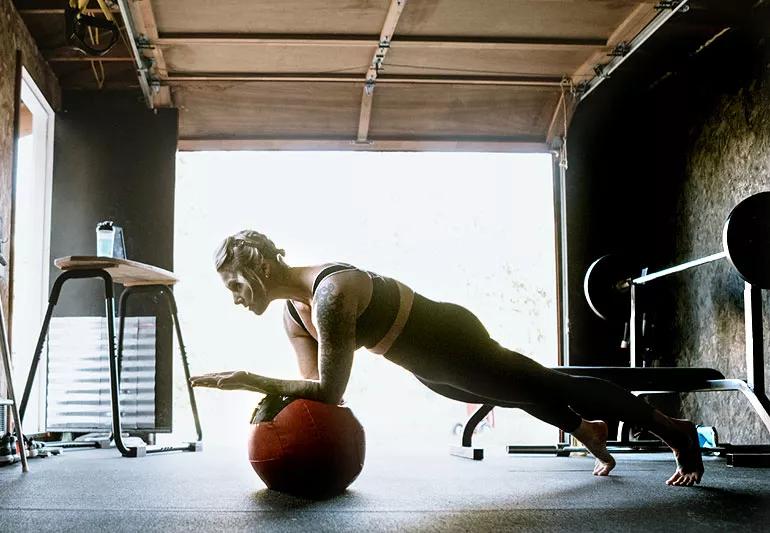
x,y
124,271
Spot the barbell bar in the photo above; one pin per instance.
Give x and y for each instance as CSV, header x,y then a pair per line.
x,y
746,245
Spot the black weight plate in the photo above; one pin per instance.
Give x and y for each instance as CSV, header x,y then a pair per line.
x,y
603,286
746,238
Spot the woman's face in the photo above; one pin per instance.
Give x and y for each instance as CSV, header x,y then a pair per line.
x,y
250,294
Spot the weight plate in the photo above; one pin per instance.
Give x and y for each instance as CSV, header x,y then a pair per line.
x,y
746,238
604,288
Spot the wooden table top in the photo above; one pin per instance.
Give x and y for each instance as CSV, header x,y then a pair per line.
x,y
123,271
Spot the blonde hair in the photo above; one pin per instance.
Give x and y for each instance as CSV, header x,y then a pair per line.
x,y
245,251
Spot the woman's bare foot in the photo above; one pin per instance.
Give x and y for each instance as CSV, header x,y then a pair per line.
x,y
686,448
593,435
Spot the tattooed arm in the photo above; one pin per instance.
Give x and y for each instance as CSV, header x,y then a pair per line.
x,y
334,313
335,316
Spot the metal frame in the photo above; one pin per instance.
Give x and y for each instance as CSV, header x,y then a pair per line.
x,y
9,383
561,253
466,449
53,299
129,451
114,356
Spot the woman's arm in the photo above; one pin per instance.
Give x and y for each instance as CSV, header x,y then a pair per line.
x,y
305,346
334,312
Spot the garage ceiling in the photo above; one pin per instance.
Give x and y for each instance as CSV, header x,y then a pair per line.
x,y
363,74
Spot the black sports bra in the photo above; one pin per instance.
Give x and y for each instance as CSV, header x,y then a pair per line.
x,y
378,316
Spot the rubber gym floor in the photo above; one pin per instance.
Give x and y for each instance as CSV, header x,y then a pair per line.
x,y
216,490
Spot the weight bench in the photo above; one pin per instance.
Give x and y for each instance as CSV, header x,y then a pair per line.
x,y
640,381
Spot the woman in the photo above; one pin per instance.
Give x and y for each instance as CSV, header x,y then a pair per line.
x,y
333,309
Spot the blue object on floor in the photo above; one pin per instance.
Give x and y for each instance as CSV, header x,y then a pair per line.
x,y
707,436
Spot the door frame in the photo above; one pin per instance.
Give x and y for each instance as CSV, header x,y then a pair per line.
x,y
43,119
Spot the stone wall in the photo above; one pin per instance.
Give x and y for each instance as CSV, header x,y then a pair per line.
x,y
729,160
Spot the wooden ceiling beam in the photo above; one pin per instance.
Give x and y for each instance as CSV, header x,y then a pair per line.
x,y
33,11
367,96
519,81
380,145
422,42
71,59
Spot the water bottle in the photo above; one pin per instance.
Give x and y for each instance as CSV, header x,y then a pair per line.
x,y
105,238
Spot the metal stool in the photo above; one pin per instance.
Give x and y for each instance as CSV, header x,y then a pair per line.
x,y
135,277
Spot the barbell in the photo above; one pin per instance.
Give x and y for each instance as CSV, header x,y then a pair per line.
x,y
746,245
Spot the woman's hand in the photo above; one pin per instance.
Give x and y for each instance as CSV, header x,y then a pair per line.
x,y
242,380
233,380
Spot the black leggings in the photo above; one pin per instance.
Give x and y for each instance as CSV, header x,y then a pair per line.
x,y
448,349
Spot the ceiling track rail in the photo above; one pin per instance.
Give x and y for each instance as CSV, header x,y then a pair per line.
x,y
386,35
142,71
668,10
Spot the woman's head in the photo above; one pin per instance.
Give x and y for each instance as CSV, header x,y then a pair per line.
x,y
245,261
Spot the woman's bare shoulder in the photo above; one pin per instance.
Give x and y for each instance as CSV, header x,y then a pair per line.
x,y
354,285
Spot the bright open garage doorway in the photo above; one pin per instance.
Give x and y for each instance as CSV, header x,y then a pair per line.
x,y
470,228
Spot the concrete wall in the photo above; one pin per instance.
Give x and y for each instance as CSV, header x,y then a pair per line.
x,y
114,160
15,37
657,163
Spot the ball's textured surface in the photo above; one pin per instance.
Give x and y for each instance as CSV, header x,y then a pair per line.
x,y
308,449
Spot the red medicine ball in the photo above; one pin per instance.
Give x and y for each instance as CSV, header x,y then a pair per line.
x,y
308,448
